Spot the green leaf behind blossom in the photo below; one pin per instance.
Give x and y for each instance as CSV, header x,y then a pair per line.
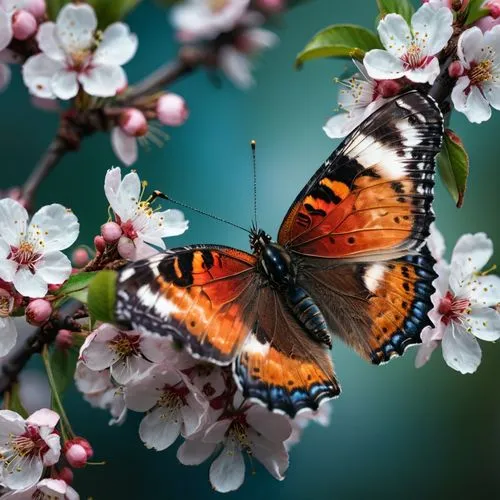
x,y
15,403
63,363
475,11
402,7
102,296
453,165
340,40
76,287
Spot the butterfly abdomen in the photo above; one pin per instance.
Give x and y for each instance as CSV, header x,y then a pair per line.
x,y
309,315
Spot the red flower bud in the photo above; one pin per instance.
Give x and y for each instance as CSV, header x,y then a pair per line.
x,y
111,232
38,312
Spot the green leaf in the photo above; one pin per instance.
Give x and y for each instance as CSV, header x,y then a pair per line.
x,y
76,287
340,40
453,165
102,296
53,7
15,403
63,364
402,7
475,11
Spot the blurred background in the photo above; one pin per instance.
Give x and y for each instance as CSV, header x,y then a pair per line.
x,y
395,432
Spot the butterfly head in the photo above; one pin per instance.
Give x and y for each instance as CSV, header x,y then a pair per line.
x,y
259,239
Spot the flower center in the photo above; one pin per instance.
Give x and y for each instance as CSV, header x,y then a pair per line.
x,y
238,431
217,5
80,60
414,57
125,345
129,230
452,308
25,254
5,306
481,72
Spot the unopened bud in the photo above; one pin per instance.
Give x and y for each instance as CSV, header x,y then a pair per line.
x,y
133,122
172,110
455,69
80,257
272,6
65,474
111,231
494,7
388,88
36,7
100,244
24,24
38,311
75,455
64,339
126,248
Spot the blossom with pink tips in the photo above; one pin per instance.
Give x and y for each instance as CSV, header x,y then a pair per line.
x,y
410,51
464,306
46,489
72,56
30,251
252,431
171,110
141,224
27,446
77,452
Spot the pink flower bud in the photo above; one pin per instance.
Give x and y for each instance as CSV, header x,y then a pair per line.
x,y
494,7
86,446
272,6
126,247
38,311
172,110
455,69
36,7
388,88
24,24
111,231
75,454
100,244
66,474
133,122
64,339
80,257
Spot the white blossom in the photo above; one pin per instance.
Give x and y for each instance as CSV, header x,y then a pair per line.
x,y
464,306
71,55
479,87
30,256
27,446
46,489
411,51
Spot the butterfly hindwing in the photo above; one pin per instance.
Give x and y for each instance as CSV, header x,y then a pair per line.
x,y
201,296
373,195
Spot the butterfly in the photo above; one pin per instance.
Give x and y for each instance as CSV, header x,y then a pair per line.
x,y
350,260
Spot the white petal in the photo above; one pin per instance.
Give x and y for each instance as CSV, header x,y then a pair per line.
x,y
58,225
477,108
236,66
54,489
103,81
194,452
274,427
5,77
173,223
260,39
492,93
90,381
48,42
483,291
394,34
29,284
7,270
117,47
425,74
5,29
458,94
124,146
160,428
435,26
75,27
8,336
52,455
342,124
112,182
382,65
424,353
470,45
13,220
129,193
64,84
98,356
37,74
461,350
192,419
471,253
143,396
10,423
484,323
25,472
435,242
216,432
54,268
127,368
149,349
227,471
272,455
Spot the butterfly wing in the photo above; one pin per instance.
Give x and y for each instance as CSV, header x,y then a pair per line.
x,y
202,296
373,195
279,365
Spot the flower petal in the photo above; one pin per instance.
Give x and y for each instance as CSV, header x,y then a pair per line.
x,y
470,45
272,455
98,356
194,452
7,267
492,93
216,432
160,428
236,66
128,368
124,146
48,42
5,29
484,323
54,268
227,471
75,26
37,74
64,84
435,27
342,124
58,225
13,221
382,65
461,350
103,81
173,223
117,46
8,336
478,108
29,284
24,471
394,34
424,353
435,242
459,95
5,77
274,427
425,74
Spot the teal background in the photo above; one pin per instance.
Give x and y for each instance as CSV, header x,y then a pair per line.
x,y
395,432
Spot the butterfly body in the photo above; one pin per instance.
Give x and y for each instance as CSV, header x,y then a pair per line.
x,y
350,260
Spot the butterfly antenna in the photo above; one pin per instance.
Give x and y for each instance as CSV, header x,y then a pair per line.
x,y
159,194
253,144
